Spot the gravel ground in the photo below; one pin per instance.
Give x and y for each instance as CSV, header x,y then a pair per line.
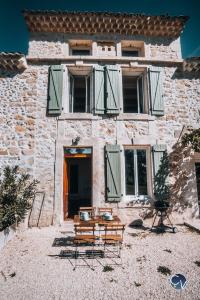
x,y
31,268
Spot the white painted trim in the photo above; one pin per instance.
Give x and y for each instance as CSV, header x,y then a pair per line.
x,y
138,73
65,95
129,198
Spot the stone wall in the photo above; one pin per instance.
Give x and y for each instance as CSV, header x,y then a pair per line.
x,y
18,94
55,45
27,136
35,142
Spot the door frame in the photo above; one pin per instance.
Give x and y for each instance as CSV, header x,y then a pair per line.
x,y
197,187
66,178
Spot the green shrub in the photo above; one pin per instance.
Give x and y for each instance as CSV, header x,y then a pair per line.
x,y
16,194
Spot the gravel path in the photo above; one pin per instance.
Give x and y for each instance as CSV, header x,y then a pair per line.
x,y
30,268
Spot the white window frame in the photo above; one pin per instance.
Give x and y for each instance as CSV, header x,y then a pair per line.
x,y
129,198
72,72
139,73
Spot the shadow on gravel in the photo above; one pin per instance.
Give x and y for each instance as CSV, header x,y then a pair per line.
x,y
64,254
63,241
142,227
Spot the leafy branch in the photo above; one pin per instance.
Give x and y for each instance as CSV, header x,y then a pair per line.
x,y
16,194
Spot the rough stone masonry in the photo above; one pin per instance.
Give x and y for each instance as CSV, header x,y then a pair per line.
x,y
35,141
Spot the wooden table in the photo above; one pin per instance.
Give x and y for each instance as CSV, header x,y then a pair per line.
x,y
99,220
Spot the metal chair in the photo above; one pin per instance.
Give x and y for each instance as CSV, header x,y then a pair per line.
x,y
84,236
113,236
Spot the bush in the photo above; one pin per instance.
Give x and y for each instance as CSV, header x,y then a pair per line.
x,y
16,195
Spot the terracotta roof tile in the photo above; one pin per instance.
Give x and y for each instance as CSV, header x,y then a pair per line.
x,y
12,61
104,22
192,64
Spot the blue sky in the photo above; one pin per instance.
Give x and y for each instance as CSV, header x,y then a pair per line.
x,y
14,34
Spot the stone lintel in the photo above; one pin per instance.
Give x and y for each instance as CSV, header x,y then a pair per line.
x,y
95,59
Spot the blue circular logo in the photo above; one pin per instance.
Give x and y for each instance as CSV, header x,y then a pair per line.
x,y
178,281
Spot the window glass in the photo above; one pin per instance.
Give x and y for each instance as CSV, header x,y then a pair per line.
x,y
135,172
130,94
133,94
142,172
79,94
140,95
129,171
134,53
80,52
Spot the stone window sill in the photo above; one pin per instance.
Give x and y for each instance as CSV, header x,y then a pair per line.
x,y
120,117
137,117
78,116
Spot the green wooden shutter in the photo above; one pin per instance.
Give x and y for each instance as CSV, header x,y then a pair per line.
x,y
158,152
113,173
99,90
155,82
55,90
112,89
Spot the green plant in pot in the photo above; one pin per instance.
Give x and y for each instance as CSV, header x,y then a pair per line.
x,y
16,194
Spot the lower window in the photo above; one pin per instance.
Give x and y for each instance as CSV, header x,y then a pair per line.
x,y
136,172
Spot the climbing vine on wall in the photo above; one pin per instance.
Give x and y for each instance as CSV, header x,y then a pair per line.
x,y
192,138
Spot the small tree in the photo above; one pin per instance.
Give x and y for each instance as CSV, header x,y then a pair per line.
x,y
16,195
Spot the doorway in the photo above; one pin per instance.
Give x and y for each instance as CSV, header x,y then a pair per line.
x,y
77,182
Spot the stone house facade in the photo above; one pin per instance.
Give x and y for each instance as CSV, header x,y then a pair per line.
x,y
92,108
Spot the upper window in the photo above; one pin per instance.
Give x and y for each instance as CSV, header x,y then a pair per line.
x,y
130,52
99,89
79,93
80,47
80,51
132,48
133,94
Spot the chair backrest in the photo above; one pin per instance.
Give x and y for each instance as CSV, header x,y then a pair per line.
x,y
85,227
102,210
90,210
114,228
